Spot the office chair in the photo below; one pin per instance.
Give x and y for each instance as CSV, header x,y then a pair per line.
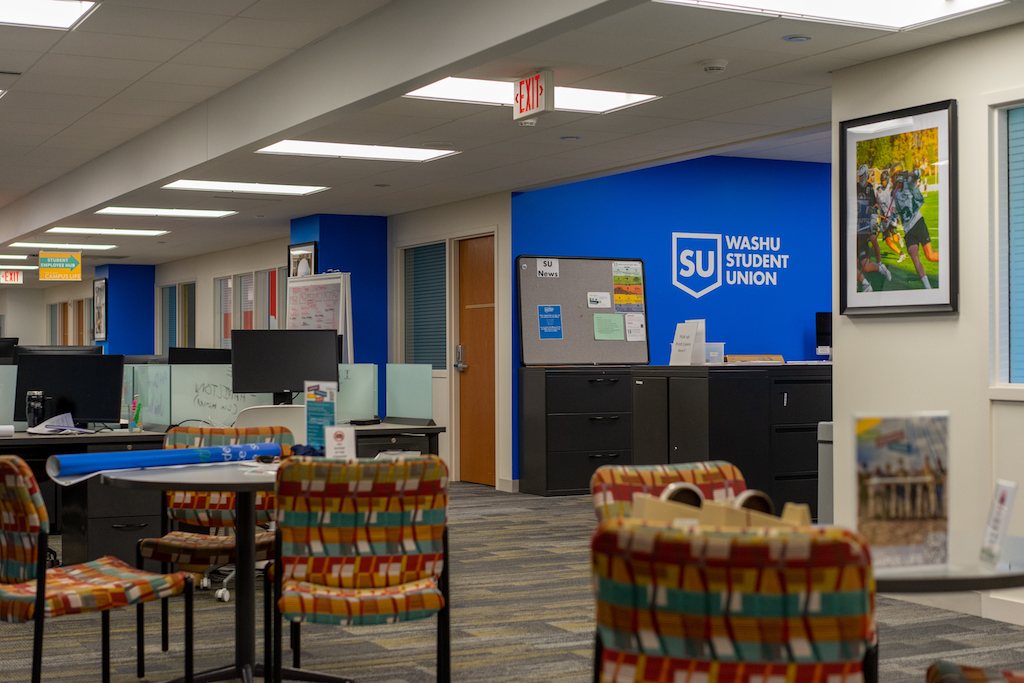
x,y
31,592
613,486
947,672
359,543
293,418
200,552
732,604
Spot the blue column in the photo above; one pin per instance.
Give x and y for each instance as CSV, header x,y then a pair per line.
x,y
130,308
356,245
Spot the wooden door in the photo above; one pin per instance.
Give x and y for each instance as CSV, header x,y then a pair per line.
x,y
476,381
64,323
80,323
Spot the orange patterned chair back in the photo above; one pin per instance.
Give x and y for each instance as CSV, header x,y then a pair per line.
x,y
22,518
613,486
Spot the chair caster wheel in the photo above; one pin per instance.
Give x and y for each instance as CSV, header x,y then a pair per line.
x,y
205,583
223,595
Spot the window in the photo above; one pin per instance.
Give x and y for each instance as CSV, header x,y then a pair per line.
x,y
223,307
249,301
426,321
177,316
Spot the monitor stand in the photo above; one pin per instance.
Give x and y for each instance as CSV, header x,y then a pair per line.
x,y
282,398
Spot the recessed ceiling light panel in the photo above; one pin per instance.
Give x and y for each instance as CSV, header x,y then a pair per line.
x,y
350,151
108,231
62,14
254,188
479,91
15,257
65,247
8,266
167,213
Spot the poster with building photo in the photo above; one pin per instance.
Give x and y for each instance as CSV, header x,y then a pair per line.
x,y
902,469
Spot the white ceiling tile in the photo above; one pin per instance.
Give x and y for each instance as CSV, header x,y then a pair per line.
x,y
224,7
11,153
137,122
995,17
16,113
172,92
810,70
781,113
85,43
231,56
595,49
70,85
188,74
601,154
393,126
622,125
29,39
17,60
8,80
92,67
644,81
127,105
768,36
58,157
34,100
742,92
431,109
152,22
327,12
888,44
687,61
284,34
90,137
673,23
511,68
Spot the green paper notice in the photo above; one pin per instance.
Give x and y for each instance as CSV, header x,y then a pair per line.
x,y
609,327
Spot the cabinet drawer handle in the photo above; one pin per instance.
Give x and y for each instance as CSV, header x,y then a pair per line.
x,y
604,417
603,455
603,379
139,525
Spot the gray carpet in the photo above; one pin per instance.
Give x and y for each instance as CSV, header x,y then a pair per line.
x,y
521,611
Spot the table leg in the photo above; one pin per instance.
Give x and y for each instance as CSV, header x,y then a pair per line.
x,y
245,577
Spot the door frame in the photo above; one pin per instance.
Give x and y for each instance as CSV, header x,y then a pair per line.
x,y
451,241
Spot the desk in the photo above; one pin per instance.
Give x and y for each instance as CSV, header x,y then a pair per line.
x,y
245,482
945,579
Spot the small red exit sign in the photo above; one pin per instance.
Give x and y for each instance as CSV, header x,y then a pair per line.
x,y
12,277
535,94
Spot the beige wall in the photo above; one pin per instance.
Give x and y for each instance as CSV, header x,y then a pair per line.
x,y
947,362
491,214
25,314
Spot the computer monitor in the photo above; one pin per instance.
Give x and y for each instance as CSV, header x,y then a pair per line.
x,y
20,351
823,332
7,345
280,361
180,355
87,386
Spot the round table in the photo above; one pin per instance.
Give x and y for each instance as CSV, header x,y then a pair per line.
x,y
945,579
245,482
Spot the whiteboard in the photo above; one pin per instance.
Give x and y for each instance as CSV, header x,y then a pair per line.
x,y
322,302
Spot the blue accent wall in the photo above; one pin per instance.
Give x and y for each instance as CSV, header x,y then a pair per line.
x,y
634,215
356,245
131,304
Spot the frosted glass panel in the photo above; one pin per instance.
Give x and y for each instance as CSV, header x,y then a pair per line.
x,y
409,391
153,385
203,393
8,381
127,391
357,392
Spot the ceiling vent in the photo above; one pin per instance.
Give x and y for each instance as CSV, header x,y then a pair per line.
x,y
714,66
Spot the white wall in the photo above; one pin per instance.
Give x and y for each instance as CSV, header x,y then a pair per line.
x,y
25,314
899,364
491,214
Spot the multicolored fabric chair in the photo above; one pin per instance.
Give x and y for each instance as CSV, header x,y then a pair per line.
x,y
361,542
31,592
198,552
708,605
613,486
947,672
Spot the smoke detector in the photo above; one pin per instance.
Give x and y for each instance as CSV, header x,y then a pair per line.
x,y
714,66
529,123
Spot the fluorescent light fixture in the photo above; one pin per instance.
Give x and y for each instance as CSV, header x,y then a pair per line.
x,y
63,14
478,91
350,151
18,257
109,231
256,188
883,14
167,213
62,247
11,267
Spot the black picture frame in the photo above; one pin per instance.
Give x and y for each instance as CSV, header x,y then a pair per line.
x,y
298,254
898,172
99,309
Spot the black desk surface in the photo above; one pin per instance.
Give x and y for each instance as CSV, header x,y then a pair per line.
x,y
33,446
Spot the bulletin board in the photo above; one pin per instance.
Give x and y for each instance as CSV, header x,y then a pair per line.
x,y
582,311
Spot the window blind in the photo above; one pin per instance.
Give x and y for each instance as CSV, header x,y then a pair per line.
x,y
1015,247
425,305
168,317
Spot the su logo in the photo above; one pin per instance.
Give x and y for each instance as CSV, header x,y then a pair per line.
x,y
697,262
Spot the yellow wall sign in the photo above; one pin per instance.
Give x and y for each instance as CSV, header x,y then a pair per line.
x,y
60,265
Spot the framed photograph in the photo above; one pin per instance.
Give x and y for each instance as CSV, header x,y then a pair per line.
x,y
898,212
99,309
302,259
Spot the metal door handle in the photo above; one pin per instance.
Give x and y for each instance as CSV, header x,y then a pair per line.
x,y
459,357
461,367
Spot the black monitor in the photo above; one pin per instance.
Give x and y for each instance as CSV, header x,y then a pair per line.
x,y
180,355
823,329
7,345
280,361
87,386
20,351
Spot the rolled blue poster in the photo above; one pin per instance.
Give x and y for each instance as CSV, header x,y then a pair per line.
x,y
87,463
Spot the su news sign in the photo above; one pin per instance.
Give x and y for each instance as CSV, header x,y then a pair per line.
x,y
60,265
535,94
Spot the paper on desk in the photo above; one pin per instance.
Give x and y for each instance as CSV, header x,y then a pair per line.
x,y
59,424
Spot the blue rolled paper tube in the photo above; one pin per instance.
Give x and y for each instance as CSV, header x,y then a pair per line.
x,y
86,463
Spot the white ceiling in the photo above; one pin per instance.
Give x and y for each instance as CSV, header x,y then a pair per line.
x,y
135,64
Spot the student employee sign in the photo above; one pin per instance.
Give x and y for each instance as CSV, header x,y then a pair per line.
x,y
60,265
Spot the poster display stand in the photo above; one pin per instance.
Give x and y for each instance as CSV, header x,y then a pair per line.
x,y
323,302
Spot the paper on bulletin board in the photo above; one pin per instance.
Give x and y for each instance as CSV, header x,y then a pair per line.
x,y
628,282
636,327
322,302
599,300
547,267
550,321
320,398
609,327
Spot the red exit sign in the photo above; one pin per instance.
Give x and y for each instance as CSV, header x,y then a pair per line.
x,y
535,94
12,277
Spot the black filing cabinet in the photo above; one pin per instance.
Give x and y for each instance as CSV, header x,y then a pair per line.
x,y
572,421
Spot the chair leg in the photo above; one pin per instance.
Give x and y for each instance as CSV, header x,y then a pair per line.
x,y
444,628
105,639
165,635
870,666
189,630
296,644
140,624
40,610
598,654
268,625
37,647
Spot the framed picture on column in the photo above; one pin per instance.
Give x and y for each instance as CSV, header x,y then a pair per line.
x,y
898,249
99,309
302,259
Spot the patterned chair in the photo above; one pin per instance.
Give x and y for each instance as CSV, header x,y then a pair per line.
x,y
31,592
613,486
705,605
947,672
359,543
198,552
